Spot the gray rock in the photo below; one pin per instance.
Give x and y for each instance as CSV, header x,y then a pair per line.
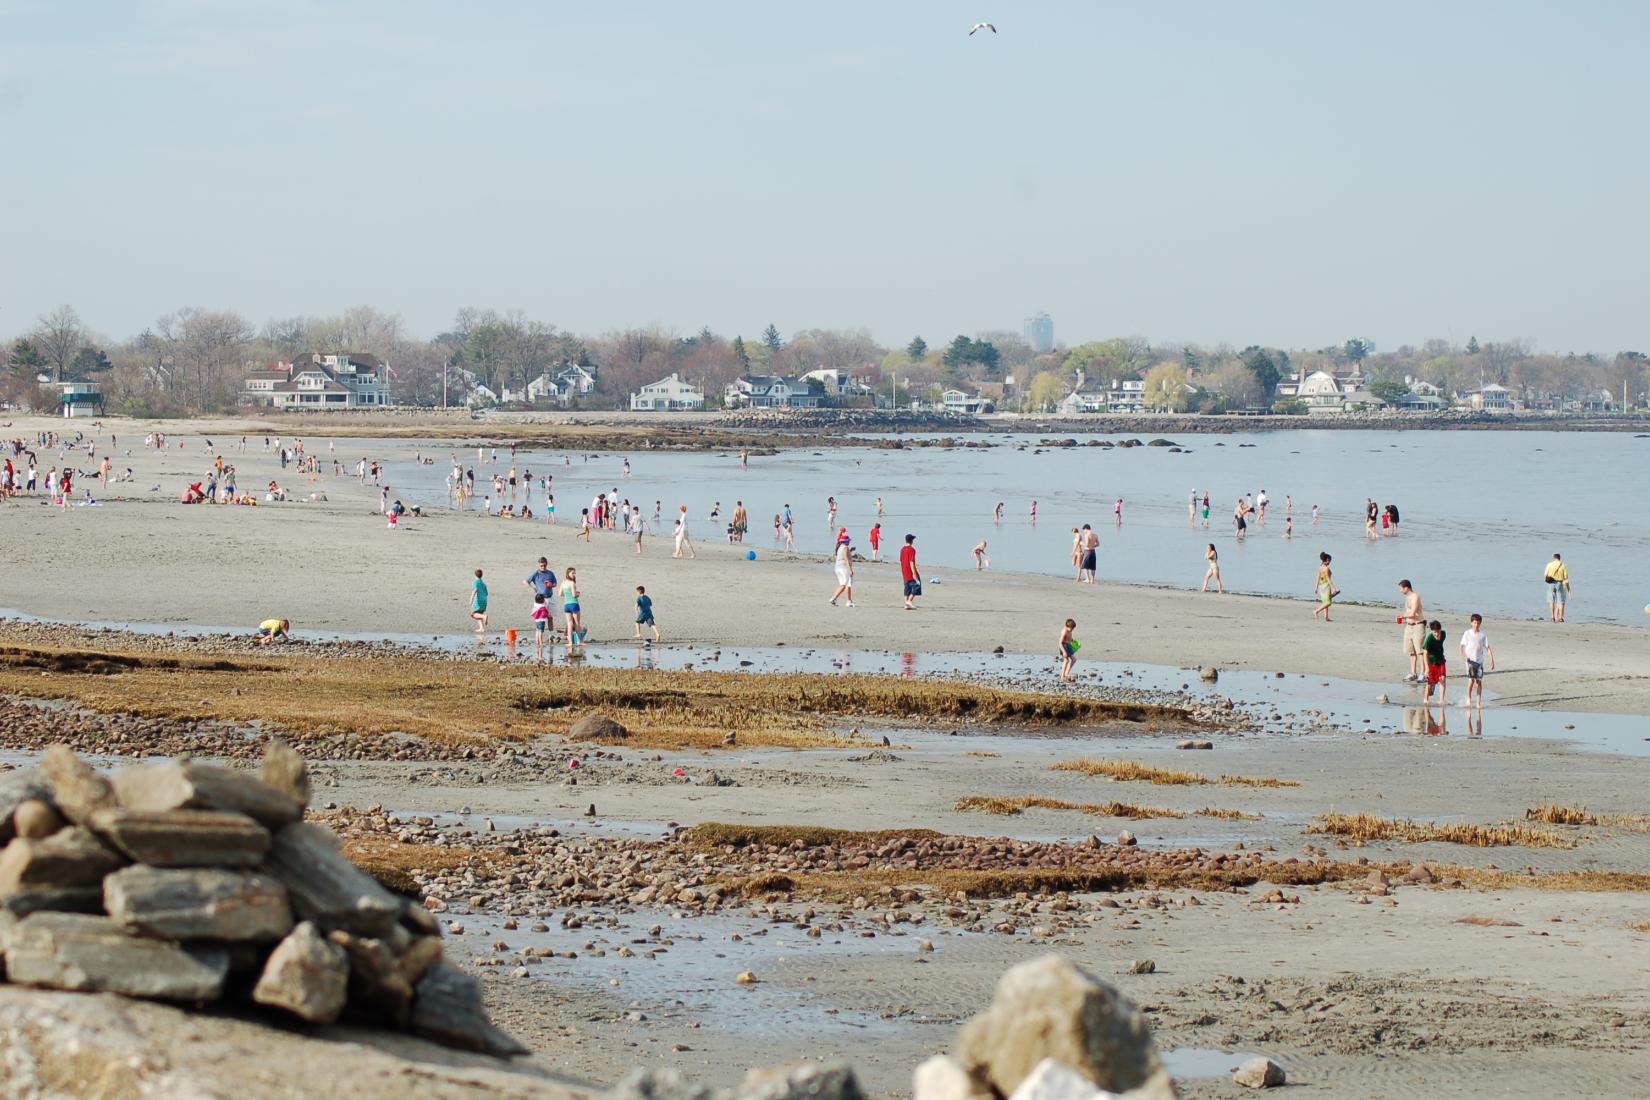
x,y
306,975
69,857
1194,744
17,787
84,953
197,904
1049,1008
657,1084
377,989
1208,673
423,953
596,726
802,1081
76,789
284,770
176,785
448,1010
327,888
1259,1073
185,838
941,1078
57,899
36,819
1051,1080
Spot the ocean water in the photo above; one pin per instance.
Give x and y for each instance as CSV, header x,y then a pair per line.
x,y
1483,511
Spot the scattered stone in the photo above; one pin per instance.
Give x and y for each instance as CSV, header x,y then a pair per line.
x,y
1208,674
448,1009
76,789
185,838
803,1081
176,785
377,988
1259,1073
597,726
306,975
197,904
84,953
746,977
1194,744
1143,966
327,888
1126,839
1049,1008
283,770
34,819
658,1084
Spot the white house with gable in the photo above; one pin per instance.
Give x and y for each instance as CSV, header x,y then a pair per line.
x,y
667,394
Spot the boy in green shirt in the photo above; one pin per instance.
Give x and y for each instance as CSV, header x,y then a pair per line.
x,y
1433,647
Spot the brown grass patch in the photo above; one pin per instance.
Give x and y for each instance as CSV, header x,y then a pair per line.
x,y
1580,815
393,863
716,834
997,805
988,755
1127,771
1640,926
1488,922
1362,828
312,692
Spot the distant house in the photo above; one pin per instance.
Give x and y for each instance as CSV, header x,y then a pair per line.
x,y
839,385
346,381
959,401
665,394
1490,397
768,391
78,399
1127,395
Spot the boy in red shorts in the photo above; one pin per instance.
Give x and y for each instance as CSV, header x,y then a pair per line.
x,y
1433,646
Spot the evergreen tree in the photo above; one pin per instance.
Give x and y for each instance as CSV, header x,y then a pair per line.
x,y
916,349
740,353
770,337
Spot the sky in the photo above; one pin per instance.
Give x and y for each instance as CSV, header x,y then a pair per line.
x,y
1285,173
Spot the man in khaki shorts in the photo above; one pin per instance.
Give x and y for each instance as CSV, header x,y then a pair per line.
x,y
1415,630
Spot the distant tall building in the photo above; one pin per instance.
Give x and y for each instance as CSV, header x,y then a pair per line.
x,y
1038,330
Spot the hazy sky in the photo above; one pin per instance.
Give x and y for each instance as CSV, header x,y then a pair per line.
x,y
1280,173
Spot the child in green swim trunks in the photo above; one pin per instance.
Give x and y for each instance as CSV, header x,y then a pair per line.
x,y
1068,649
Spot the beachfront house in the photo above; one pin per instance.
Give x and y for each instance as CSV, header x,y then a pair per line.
x,y
345,381
1127,395
1490,398
769,391
667,394
839,387
960,401
1324,392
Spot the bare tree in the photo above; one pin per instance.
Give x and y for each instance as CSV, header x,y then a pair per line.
x,y
60,338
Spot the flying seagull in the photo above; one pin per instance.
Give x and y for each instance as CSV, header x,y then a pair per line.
x,y
981,26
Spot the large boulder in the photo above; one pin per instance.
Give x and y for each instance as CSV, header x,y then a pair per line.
x,y
184,838
177,785
84,953
77,790
597,726
327,888
1050,1008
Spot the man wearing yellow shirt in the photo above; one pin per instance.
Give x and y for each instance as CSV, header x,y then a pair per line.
x,y
1558,588
273,630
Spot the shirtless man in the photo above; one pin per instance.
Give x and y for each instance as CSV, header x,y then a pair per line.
x,y
1088,543
1415,630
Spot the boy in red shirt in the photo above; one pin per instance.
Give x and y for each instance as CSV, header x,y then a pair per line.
x,y
909,572
876,541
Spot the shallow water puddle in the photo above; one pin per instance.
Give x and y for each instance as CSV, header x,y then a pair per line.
x,y
1189,1062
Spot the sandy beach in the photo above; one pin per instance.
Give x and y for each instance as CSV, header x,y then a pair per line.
x,y
1522,957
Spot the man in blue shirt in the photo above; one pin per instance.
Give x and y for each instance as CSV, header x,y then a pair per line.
x,y
543,583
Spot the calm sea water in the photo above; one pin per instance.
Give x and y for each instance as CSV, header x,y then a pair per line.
x,y
1482,511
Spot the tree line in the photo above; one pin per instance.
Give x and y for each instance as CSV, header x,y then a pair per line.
x,y
195,360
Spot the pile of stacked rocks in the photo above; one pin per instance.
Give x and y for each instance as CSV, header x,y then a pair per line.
x,y
197,883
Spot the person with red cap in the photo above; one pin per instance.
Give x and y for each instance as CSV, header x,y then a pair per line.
x,y
844,561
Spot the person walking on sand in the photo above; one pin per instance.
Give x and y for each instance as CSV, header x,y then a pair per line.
x,y
1415,630
478,603
570,611
981,562
644,613
909,573
1324,588
876,541
1068,649
1557,577
1213,572
843,559
682,542
741,521
1476,651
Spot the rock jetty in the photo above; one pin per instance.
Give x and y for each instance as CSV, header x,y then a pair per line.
x,y
196,883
